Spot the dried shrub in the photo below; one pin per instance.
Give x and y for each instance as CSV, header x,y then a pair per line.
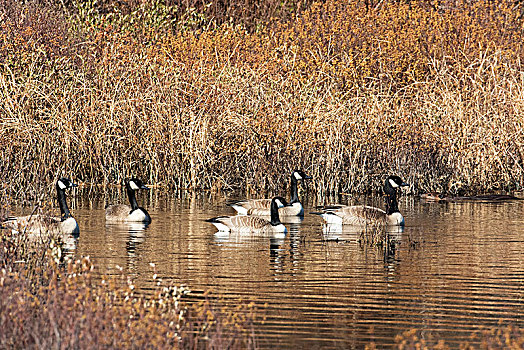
x,y
49,302
348,92
508,337
188,14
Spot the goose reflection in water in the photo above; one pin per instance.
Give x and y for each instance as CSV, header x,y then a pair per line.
x,y
136,230
277,249
225,238
389,245
136,236
277,253
339,232
69,244
277,244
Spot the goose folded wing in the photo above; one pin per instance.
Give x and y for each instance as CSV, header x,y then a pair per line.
x,y
251,222
359,215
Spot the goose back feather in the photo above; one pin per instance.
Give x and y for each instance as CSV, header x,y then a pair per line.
x,y
262,207
244,224
360,215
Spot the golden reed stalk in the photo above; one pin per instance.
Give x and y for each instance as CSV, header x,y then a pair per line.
x,y
347,92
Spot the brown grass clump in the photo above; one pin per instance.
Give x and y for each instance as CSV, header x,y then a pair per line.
x,y
188,14
373,235
348,91
45,303
509,337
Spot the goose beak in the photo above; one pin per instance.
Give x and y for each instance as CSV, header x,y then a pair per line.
x,y
73,185
404,184
144,187
308,177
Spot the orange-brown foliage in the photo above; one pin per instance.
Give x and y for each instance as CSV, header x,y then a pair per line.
x,y
347,91
46,303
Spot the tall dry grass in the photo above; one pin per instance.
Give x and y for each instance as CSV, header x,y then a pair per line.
x,y
346,91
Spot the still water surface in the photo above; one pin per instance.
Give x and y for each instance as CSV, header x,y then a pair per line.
x,y
455,268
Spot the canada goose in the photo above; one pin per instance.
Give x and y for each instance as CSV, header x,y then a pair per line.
x,y
262,207
244,224
126,213
365,215
35,225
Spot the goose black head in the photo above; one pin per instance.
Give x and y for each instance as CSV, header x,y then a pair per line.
x,y
135,184
64,183
280,201
300,175
391,186
276,202
392,183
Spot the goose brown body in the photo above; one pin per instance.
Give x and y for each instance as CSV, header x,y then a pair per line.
x,y
132,212
247,224
118,212
359,215
244,224
35,225
38,225
262,207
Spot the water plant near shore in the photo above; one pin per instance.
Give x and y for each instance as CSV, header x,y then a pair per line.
x,y
49,302
509,337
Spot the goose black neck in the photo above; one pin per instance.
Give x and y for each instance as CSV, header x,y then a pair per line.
x,y
275,219
62,202
132,198
391,203
294,190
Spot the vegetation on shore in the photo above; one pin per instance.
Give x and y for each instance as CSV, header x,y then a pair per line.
x,y
50,301
348,91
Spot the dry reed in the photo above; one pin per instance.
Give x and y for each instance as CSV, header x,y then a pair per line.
x,y
347,92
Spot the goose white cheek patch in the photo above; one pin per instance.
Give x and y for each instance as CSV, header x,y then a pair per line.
x,y
297,176
61,185
393,183
133,185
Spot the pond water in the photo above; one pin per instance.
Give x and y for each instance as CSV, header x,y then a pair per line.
x,y
456,268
